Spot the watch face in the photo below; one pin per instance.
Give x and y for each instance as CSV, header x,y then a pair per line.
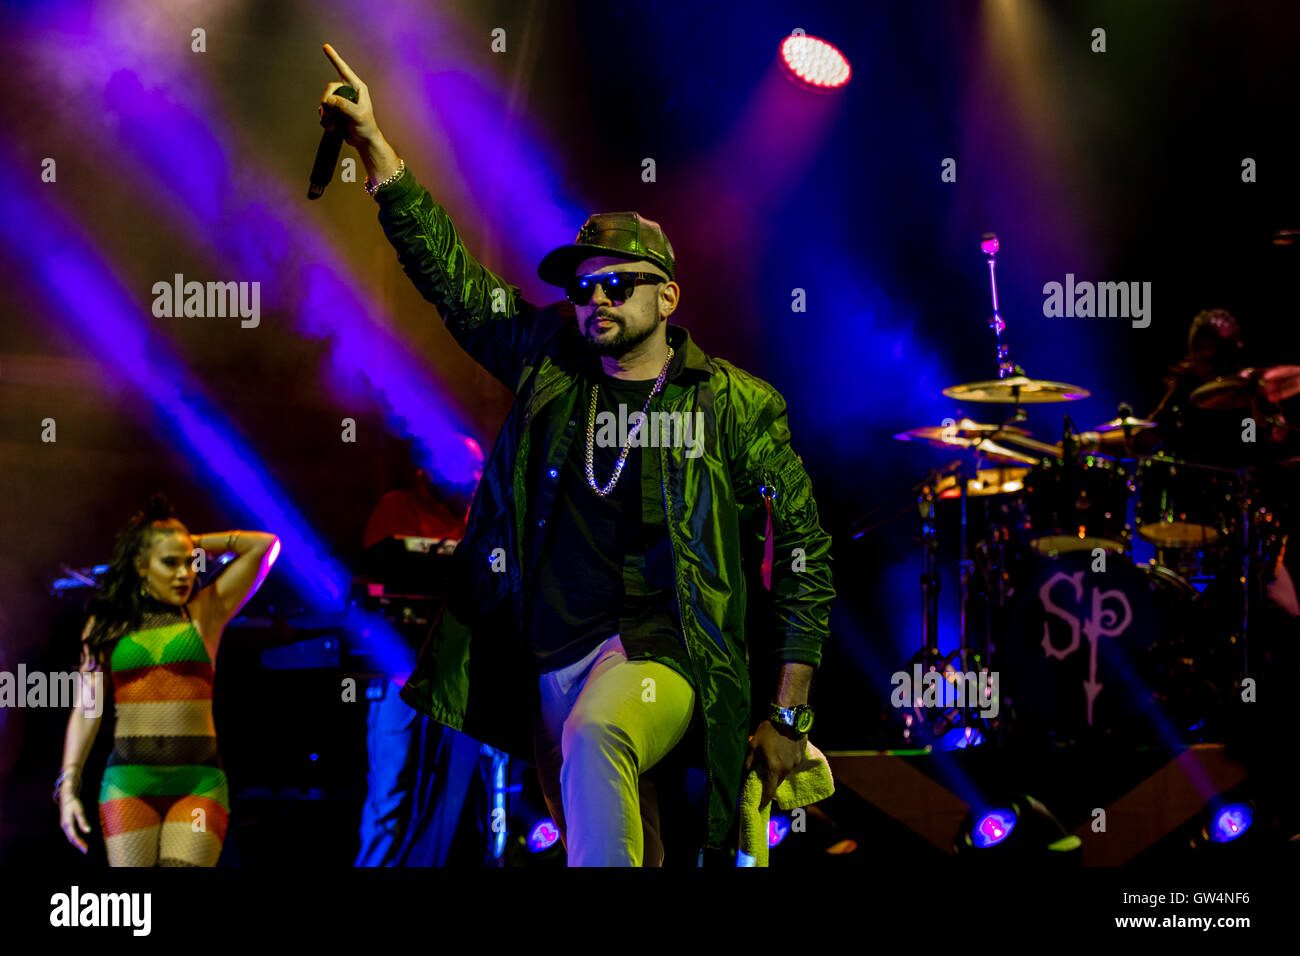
x,y
804,722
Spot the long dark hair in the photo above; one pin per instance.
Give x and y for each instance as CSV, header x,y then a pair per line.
x,y
120,606
1218,334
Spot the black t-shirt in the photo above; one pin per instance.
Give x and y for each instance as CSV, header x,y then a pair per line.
x,y
605,563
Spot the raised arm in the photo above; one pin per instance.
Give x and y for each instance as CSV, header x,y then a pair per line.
x,y
486,314
255,553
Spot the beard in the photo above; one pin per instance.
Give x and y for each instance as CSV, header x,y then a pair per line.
x,y
622,342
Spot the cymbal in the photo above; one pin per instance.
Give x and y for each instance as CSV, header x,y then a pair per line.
x,y
1232,391
972,436
1280,382
1239,390
1119,424
987,481
943,436
1124,434
1016,389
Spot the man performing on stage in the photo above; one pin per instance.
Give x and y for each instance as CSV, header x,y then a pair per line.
x,y
608,566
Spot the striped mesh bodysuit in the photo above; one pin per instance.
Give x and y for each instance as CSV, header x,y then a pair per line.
x,y
163,801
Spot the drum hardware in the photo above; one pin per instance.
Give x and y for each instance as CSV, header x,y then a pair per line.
x,y
968,435
929,573
898,507
954,482
1086,485
987,481
1004,445
1047,555
989,246
959,709
1041,448
1012,386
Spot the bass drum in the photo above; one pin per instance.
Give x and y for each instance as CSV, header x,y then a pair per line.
x,y
1097,649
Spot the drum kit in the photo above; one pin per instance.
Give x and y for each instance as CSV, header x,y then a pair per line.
x,y
1083,642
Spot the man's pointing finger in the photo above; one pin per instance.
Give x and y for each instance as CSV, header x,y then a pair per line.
x,y
345,71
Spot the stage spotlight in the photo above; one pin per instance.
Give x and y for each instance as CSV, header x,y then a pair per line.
x,y
534,836
543,835
993,827
1020,828
1230,822
777,828
814,63
1225,820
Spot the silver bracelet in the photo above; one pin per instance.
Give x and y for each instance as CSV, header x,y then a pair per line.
x,y
372,188
63,775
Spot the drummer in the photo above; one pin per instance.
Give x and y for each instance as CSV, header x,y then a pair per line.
x,y
1217,436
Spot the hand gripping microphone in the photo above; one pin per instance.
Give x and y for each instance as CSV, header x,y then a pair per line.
x,y
331,141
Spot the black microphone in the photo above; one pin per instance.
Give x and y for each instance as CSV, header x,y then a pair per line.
x,y
331,141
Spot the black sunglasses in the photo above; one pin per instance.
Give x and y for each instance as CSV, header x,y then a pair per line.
x,y
617,285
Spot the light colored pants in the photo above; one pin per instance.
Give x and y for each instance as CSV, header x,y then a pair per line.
x,y
604,722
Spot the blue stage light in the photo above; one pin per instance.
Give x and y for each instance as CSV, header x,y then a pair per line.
x,y
1229,822
544,835
777,828
993,827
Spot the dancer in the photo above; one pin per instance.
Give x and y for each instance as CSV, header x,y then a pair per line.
x,y
163,800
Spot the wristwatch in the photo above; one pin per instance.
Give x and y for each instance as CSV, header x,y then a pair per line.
x,y
798,719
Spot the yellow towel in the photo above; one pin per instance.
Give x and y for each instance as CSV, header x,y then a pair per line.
x,y
806,784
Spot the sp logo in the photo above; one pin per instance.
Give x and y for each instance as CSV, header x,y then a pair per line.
x,y
1103,620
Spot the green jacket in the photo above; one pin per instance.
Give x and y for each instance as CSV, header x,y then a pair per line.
x,y
475,673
